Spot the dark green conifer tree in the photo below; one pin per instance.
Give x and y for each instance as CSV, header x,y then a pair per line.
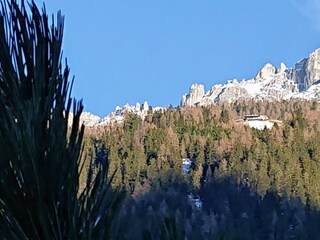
x,y
39,154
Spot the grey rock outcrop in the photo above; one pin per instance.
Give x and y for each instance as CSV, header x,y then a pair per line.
x,y
307,71
267,71
195,95
138,107
282,68
145,106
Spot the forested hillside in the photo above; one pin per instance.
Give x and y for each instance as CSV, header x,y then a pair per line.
x,y
252,182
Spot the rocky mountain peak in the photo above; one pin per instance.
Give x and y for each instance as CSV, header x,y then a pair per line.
x,y
313,67
145,106
267,71
307,71
195,95
282,68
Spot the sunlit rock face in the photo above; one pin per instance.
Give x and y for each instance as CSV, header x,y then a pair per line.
x,y
195,95
307,71
267,71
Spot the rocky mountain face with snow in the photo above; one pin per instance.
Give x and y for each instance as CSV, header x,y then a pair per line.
x,y
270,83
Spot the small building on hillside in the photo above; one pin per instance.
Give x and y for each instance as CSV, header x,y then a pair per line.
x,y
258,121
255,118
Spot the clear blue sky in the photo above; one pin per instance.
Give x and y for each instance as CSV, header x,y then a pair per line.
x,y
135,50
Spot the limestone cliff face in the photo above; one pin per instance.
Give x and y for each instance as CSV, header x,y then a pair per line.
x,y
195,95
267,71
307,71
282,68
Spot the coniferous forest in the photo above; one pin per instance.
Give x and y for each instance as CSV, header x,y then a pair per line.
x,y
254,184
60,180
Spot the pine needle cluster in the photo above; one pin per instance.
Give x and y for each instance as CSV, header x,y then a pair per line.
x,y
39,154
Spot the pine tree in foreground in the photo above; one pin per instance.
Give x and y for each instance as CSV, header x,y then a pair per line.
x,y
39,154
